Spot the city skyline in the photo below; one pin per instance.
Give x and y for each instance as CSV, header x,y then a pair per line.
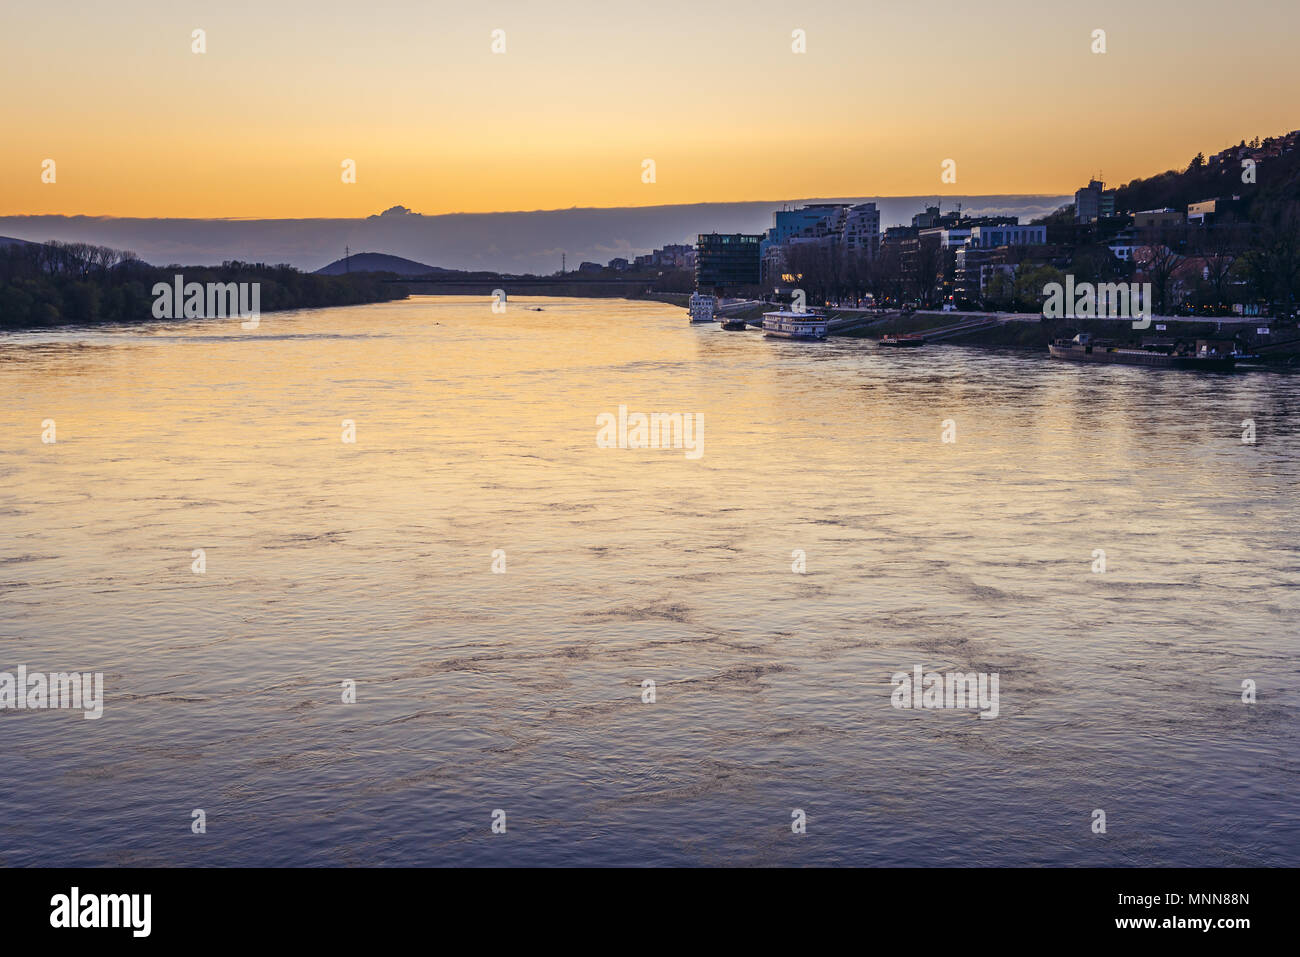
x,y
259,124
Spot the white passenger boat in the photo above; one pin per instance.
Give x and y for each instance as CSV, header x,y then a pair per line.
x,y
794,325
701,307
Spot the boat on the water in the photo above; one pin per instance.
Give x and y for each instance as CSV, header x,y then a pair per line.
x,y
735,325
701,307
1084,348
902,342
795,325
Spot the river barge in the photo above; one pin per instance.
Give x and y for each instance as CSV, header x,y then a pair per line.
x,y
1206,356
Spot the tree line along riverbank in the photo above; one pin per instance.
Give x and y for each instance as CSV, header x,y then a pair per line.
x,y
44,285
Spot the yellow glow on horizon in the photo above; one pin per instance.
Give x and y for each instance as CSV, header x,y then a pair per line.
x,y
258,125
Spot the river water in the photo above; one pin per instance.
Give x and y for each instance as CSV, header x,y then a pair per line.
x,y
521,691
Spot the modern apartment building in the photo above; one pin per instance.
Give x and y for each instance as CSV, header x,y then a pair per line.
x,y
862,230
990,237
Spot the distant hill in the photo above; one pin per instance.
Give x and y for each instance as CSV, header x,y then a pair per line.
x,y
508,242
378,262
8,241
1220,176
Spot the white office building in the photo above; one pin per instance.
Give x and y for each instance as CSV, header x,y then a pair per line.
x,y
990,237
862,230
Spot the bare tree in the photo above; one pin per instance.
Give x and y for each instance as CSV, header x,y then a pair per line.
x,y
927,268
1159,263
1219,253
1273,260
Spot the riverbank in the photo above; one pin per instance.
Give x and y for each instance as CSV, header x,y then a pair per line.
x,y
1279,345
1033,333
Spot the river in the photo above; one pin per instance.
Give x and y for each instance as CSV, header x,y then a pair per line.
x,y
522,689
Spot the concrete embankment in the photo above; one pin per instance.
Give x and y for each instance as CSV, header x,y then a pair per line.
x,y
1031,332
1280,344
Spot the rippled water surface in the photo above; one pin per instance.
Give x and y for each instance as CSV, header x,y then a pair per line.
x,y
522,691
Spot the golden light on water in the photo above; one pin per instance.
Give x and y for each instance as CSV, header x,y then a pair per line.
x,y
476,432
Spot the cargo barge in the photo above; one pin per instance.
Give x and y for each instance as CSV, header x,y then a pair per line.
x,y
1206,357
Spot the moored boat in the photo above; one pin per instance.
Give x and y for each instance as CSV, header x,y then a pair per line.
x,y
795,325
735,325
1084,348
701,307
902,341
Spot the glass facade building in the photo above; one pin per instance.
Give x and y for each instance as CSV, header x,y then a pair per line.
x,y
725,260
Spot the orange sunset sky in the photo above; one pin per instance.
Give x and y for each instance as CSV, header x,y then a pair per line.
x,y
258,125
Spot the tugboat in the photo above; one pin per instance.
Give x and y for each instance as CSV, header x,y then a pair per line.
x,y
1084,348
795,325
910,341
701,308
735,325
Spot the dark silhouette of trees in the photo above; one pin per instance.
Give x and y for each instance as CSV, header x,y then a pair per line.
x,y
1220,248
885,277
50,284
1273,259
926,269
1158,263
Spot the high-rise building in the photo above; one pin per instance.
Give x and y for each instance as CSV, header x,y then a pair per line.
x,y
841,229
926,220
724,260
862,230
1094,202
788,223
